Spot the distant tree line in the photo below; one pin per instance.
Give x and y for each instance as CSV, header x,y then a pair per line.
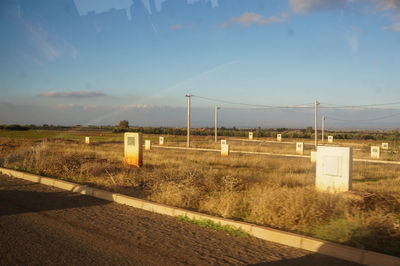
x,y
307,133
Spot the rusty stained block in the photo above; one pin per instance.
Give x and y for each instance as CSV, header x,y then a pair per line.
x,y
224,149
385,146
87,140
133,149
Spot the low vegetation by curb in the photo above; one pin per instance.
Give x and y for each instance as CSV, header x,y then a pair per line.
x,y
273,235
232,230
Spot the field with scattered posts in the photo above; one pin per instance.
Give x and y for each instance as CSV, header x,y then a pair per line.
x,y
274,191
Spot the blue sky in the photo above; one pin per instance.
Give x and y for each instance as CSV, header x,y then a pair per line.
x,y
100,61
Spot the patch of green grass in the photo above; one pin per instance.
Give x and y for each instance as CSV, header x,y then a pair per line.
x,y
339,230
29,134
232,230
69,135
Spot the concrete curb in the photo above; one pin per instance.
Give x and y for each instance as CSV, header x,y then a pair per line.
x,y
270,154
376,161
291,142
231,151
269,234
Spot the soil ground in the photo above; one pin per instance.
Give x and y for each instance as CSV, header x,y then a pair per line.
x,y
47,226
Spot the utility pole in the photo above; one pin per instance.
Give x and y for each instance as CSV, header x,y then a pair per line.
x,y
323,128
316,124
188,121
216,123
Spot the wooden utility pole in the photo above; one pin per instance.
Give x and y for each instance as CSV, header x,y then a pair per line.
x,y
188,121
216,123
323,128
316,123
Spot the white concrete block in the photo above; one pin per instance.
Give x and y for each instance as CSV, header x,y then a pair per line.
x,y
133,148
375,152
223,141
330,139
385,146
87,140
334,169
313,156
300,148
147,144
250,135
279,137
224,149
161,141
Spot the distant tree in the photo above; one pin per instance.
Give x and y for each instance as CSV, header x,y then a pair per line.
x,y
395,134
16,127
124,124
309,130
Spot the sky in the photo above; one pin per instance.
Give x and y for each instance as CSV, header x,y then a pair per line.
x,y
264,62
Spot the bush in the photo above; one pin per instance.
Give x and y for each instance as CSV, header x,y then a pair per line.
x,y
16,127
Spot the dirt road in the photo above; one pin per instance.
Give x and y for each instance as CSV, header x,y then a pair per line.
x,y
45,225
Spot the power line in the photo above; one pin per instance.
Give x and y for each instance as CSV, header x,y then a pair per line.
x,y
339,106
255,105
364,120
306,105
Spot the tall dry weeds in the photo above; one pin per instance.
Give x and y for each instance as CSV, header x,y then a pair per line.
x,y
271,191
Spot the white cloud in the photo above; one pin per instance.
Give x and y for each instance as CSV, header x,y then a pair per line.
x,y
134,106
37,37
48,48
304,6
353,43
177,27
394,27
182,26
250,18
391,8
67,106
353,38
71,94
387,4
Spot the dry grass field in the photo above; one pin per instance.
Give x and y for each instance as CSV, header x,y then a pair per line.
x,y
273,191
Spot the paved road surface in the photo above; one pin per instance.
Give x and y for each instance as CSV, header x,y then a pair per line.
x,y
48,226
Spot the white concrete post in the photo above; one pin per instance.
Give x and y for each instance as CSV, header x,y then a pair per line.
x,y
147,144
334,169
300,148
375,152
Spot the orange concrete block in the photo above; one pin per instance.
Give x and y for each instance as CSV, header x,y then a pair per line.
x,y
133,149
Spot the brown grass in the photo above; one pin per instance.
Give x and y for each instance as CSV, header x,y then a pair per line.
x,y
276,192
